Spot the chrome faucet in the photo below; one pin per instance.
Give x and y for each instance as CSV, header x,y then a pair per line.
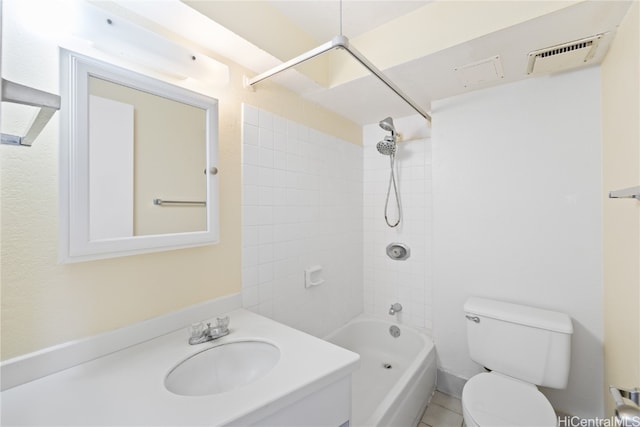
x,y
200,334
395,308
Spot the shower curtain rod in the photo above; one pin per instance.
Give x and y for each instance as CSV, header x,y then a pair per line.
x,y
341,42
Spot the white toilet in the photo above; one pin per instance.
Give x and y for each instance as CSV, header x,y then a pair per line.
x,y
522,347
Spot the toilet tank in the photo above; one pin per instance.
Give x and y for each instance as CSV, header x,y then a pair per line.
x,y
527,343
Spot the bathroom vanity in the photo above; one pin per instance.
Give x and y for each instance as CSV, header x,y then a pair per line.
x,y
309,384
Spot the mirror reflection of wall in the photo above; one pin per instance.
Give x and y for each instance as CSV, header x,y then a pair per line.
x,y
126,140
144,147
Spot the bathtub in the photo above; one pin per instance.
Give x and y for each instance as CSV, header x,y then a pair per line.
x,y
397,376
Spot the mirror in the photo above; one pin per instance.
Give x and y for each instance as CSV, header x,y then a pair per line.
x,y
138,163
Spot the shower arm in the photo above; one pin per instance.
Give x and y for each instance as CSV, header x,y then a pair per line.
x,y
340,42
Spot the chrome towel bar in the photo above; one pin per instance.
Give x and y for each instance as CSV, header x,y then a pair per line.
x,y
161,202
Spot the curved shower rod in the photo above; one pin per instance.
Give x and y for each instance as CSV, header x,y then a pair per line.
x,y
341,42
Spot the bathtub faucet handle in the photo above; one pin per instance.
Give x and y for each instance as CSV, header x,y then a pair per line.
x,y
395,308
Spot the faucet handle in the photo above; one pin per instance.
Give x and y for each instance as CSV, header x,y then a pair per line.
x,y
222,322
196,330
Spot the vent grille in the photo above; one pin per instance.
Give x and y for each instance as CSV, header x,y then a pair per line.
x,y
563,56
565,49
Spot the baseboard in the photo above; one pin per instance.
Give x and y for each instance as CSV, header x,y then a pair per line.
x,y
29,367
450,384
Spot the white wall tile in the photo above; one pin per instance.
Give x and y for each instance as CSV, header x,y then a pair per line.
x,y
265,215
249,155
250,134
280,124
302,197
265,138
280,160
250,175
250,115
280,178
266,157
265,272
265,254
250,256
303,133
250,297
388,281
266,120
280,141
249,277
250,215
265,292
250,235
265,234
266,177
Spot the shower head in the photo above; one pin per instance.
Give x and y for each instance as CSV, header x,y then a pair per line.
x,y
387,124
387,146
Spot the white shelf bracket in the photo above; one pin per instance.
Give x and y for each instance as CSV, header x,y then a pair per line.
x,y
627,193
25,95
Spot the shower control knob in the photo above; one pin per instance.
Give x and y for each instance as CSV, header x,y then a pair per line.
x,y
398,251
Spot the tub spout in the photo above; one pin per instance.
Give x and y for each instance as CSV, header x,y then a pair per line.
x,y
395,308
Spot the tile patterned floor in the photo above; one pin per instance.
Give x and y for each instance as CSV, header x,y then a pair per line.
x,y
443,411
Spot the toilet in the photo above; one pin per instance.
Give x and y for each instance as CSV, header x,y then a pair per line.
x,y
522,347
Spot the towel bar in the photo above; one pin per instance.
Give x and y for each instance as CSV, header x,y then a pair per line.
x,y
161,202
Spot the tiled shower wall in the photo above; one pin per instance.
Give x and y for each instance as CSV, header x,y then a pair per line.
x,y
387,281
301,207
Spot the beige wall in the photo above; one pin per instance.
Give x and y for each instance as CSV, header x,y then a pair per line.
x,y
45,303
169,159
621,169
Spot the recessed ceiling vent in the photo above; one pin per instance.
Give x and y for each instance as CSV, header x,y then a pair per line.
x,y
563,56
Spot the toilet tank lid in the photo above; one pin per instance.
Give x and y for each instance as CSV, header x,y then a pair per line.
x,y
520,314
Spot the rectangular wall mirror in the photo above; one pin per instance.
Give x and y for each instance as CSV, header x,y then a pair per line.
x,y
138,163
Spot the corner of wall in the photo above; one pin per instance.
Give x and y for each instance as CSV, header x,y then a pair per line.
x,y
621,218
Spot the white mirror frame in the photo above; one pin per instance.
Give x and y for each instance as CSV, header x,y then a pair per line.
x,y
75,243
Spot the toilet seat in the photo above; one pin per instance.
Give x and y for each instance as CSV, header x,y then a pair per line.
x,y
492,399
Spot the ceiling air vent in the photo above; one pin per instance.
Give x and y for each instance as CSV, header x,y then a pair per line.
x,y
563,56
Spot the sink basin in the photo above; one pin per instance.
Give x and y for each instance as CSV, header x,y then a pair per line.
x,y
222,368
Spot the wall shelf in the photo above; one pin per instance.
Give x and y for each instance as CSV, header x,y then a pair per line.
x,y
25,95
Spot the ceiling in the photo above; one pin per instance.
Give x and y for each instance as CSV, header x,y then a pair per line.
x,y
321,19
425,56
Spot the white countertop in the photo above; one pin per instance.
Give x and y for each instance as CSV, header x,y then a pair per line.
x,y
127,387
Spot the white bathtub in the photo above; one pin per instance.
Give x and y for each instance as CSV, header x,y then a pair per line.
x,y
397,376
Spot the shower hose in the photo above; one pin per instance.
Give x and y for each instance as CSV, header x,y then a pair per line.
x,y
392,180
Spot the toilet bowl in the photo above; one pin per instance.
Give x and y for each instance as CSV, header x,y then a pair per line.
x,y
522,347
492,399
